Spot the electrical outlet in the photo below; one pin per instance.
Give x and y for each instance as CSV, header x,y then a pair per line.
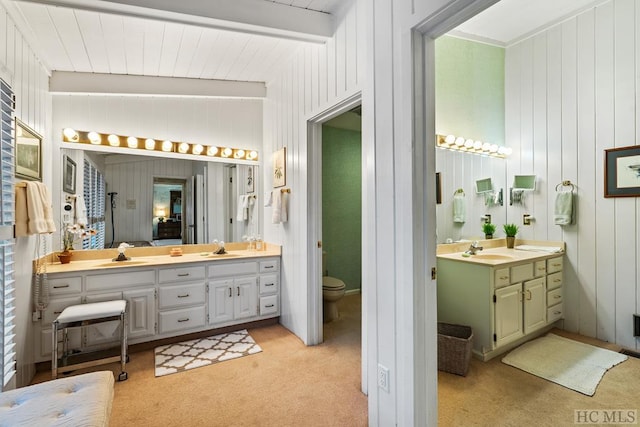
x,y
383,378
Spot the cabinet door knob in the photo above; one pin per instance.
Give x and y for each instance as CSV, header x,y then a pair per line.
x,y
230,294
238,288
183,320
183,296
60,286
183,274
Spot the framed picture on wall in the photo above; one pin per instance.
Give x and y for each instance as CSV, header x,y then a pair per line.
x,y
622,172
280,168
28,160
250,187
68,175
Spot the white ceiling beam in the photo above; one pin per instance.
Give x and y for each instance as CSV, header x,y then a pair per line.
x,y
63,82
248,16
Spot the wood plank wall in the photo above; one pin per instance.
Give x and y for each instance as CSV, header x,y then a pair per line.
x,y
316,78
21,69
572,92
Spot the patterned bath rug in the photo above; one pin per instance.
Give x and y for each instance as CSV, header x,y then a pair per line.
x,y
191,354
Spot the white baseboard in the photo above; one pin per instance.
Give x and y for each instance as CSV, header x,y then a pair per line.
x,y
352,291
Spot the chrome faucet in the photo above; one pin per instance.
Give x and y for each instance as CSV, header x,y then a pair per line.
x,y
473,248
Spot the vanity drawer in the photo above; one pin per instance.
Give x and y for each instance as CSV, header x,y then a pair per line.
x,y
554,280
268,283
554,264
101,282
554,297
501,277
184,319
233,269
540,268
268,305
520,273
170,275
56,306
181,295
269,266
66,285
554,313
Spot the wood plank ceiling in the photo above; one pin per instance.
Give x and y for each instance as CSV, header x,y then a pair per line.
x,y
95,42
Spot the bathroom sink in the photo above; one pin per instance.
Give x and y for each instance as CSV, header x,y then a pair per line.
x,y
121,263
496,257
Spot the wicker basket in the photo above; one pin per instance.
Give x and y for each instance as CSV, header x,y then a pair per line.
x,y
454,348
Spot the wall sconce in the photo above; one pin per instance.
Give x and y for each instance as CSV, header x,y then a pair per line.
x,y
113,142
161,212
459,143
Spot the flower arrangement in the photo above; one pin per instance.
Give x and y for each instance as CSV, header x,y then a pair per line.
x,y
73,232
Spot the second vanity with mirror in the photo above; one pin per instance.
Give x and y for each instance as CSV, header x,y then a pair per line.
x,y
168,296
507,296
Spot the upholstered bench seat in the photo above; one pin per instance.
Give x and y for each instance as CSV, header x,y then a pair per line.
x,y
79,401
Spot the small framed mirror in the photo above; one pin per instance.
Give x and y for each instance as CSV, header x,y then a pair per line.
x,y
484,185
524,182
28,153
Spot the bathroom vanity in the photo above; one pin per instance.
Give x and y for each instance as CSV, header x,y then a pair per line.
x,y
508,296
168,296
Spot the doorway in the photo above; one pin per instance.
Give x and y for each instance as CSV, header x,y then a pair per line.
x,y
316,213
168,210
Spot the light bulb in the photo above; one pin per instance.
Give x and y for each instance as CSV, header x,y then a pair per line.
x,y
508,151
197,149
150,144
468,143
114,140
227,152
94,138
501,150
477,145
253,154
70,134
450,139
212,151
167,145
493,148
183,147
132,142
486,146
239,154
459,141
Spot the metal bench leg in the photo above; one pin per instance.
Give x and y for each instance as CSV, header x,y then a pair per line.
x,y
54,350
123,347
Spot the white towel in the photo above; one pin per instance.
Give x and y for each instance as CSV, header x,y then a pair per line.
x,y
276,215
459,208
81,211
33,210
268,199
563,213
251,201
284,213
241,213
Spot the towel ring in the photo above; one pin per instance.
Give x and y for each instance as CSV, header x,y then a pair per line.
x,y
459,191
566,184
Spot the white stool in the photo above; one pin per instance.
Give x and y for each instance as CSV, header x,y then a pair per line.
x,y
84,315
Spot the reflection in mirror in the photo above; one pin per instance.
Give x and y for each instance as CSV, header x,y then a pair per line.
x,y
193,198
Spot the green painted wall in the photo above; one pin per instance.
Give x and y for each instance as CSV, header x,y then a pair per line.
x,y
469,89
342,204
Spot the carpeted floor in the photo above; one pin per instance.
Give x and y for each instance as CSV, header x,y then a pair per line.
x,y
289,384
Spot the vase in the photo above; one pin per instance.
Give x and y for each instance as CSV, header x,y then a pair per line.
x,y
488,236
65,257
511,240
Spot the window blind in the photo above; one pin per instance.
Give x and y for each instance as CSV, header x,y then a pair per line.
x,y
94,198
7,242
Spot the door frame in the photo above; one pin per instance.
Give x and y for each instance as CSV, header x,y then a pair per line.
x,y
314,218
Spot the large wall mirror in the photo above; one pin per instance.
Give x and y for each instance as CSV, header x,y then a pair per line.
x,y
163,201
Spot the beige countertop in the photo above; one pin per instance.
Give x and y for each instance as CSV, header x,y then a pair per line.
x,y
495,252
155,256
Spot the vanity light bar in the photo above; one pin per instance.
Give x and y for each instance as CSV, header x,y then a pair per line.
x,y
459,143
116,142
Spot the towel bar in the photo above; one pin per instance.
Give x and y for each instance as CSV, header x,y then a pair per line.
x,y
566,183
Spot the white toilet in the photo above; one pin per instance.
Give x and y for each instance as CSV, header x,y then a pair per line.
x,y
332,291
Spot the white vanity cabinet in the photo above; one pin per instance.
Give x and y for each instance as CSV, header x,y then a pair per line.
x,y
182,299
233,291
165,301
504,304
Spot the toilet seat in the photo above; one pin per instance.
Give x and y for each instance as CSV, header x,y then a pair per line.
x,y
331,283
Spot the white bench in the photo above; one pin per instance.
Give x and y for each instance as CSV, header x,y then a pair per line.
x,y
79,401
84,315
